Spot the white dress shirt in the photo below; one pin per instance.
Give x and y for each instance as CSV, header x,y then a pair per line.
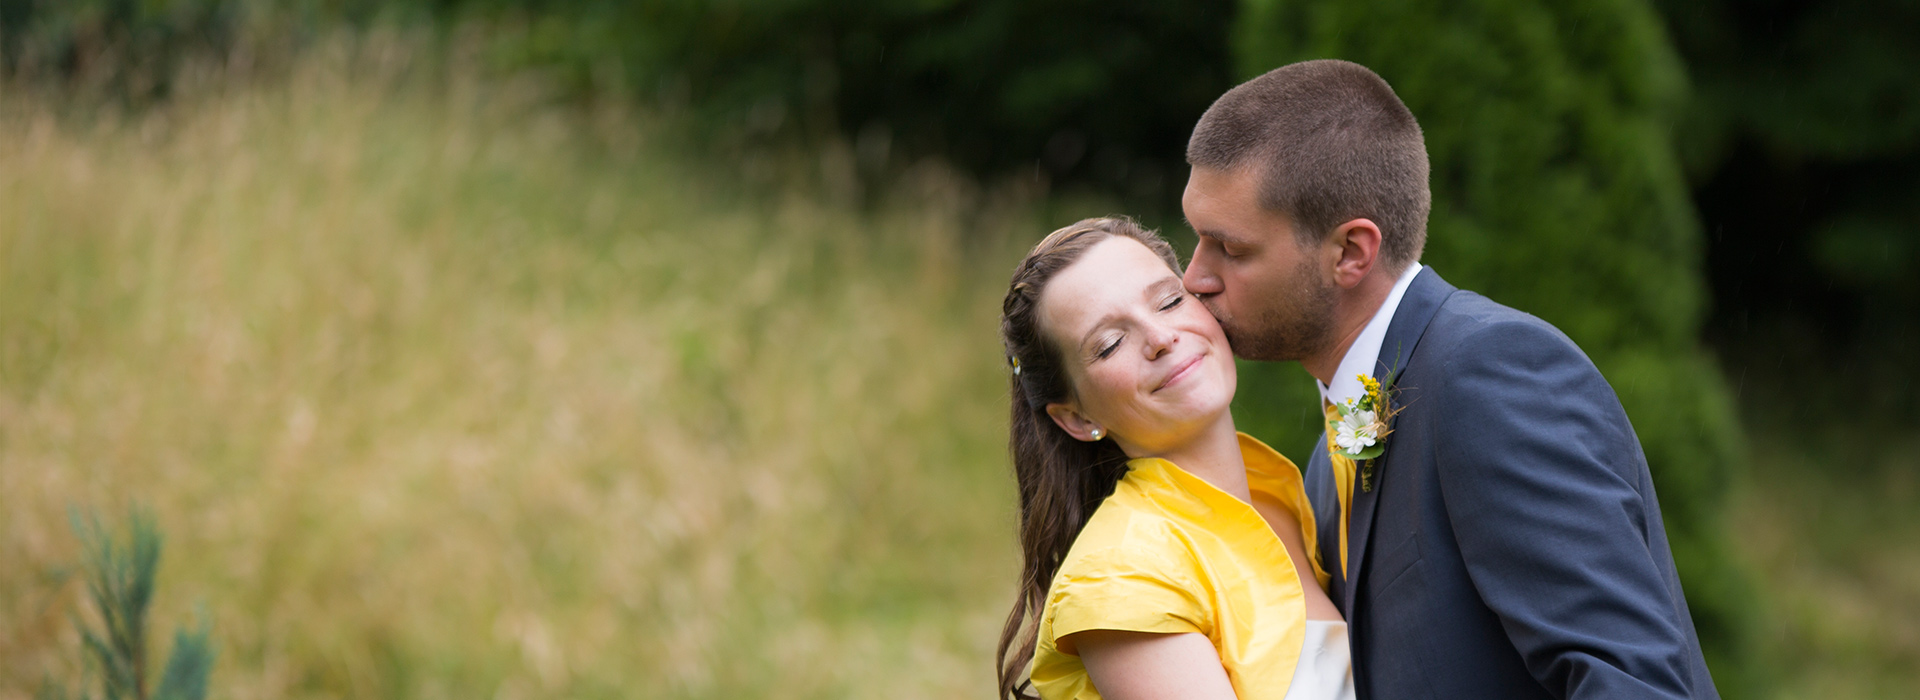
x,y
1363,357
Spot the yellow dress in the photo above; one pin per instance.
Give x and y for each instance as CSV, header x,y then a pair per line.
x,y
1169,552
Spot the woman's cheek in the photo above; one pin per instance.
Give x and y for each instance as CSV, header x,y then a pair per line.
x,y
1205,325
1116,383
1100,388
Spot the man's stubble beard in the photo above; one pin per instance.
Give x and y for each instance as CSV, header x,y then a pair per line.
x,y
1295,327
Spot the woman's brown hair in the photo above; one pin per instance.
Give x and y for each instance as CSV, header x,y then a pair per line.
x,y
1061,479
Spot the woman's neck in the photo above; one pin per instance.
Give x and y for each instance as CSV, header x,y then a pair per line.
x,y
1214,456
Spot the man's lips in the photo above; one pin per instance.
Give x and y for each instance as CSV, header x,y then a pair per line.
x,y
1180,372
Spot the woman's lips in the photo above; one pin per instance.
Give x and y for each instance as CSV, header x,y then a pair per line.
x,y
1180,372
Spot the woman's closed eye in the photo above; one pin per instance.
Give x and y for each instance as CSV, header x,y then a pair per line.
x,y
1106,348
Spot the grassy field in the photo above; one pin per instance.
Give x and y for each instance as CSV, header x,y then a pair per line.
x,y
442,391
1827,522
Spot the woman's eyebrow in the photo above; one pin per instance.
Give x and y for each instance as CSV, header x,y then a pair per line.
x,y
1097,326
1166,284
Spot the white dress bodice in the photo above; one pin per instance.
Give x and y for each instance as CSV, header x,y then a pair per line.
x,y
1325,671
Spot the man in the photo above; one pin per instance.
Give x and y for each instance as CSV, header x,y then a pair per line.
x,y
1506,543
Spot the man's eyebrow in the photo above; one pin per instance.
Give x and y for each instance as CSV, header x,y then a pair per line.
x,y
1222,237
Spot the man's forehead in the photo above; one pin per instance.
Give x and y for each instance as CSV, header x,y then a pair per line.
x,y
1225,206
1224,182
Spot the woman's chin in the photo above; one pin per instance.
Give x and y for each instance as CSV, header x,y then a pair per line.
x,y
1199,409
1173,432
1201,398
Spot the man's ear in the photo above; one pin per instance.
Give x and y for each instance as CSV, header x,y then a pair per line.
x,y
1359,243
1069,418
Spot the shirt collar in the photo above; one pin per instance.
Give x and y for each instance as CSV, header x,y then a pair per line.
x,y
1365,352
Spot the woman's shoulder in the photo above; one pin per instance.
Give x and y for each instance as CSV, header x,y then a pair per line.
x,y
1131,568
1130,530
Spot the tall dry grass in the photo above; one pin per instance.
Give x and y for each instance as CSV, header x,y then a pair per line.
x,y
439,390
1835,547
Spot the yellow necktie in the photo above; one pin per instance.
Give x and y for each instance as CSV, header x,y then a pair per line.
x,y
1343,473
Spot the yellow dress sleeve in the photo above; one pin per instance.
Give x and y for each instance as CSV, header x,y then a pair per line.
x,y
1132,589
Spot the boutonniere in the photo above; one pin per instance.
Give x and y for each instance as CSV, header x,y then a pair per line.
x,y
1361,431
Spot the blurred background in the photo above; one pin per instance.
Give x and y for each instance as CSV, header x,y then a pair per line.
x,y
531,348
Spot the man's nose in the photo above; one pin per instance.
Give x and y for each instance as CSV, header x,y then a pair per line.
x,y
1201,281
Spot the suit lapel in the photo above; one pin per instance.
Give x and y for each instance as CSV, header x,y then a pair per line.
x,y
1417,307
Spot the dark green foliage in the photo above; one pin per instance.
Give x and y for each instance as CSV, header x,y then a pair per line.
x,y
132,45
1822,80
1098,90
120,587
1558,191
1804,147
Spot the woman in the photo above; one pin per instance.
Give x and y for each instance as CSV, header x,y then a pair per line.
x,y
1164,552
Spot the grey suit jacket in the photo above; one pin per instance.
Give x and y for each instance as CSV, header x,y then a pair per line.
x,y
1512,545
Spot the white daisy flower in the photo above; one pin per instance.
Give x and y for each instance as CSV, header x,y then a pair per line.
x,y
1356,432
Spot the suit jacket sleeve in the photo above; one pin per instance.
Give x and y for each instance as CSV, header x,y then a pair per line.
x,y
1547,492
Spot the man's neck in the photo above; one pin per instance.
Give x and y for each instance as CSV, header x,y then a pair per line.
x,y
1356,308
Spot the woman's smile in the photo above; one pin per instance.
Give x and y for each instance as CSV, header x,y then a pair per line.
x,y
1181,371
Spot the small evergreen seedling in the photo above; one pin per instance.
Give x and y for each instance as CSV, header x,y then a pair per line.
x,y
120,580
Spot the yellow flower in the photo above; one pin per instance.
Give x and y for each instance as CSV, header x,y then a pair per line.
x,y
1373,392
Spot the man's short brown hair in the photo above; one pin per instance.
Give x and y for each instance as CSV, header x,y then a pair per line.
x,y
1330,143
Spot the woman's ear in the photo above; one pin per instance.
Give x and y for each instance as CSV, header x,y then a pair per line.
x,y
1071,420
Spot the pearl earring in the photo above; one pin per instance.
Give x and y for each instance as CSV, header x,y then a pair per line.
x,y
1096,433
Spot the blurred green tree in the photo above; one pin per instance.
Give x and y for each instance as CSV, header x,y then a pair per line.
x,y
1557,190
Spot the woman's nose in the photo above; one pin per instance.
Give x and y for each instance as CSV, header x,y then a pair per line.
x,y
1160,340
